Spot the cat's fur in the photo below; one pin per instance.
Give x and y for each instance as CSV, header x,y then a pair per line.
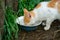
x,y
48,11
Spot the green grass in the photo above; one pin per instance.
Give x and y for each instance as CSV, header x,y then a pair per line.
x,y
28,4
11,28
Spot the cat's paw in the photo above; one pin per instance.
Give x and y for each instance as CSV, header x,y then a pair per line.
x,y
46,28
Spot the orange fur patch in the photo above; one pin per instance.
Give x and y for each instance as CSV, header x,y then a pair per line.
x,y
52,3
32,13
58,7
26,20
39,5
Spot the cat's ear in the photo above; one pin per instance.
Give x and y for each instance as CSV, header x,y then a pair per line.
x,y
29,15
25,11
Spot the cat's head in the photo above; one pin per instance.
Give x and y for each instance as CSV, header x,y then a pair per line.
x,y
28,17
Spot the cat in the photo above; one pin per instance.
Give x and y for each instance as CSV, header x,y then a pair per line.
x,y
48,11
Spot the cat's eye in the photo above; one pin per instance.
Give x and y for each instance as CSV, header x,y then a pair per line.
x,y
29,15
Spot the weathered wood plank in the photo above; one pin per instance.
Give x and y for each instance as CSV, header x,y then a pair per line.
x,y
1,17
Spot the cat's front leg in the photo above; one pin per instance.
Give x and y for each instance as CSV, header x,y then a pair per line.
x,y
48,23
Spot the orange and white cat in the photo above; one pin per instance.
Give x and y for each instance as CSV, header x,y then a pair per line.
x,y
48,11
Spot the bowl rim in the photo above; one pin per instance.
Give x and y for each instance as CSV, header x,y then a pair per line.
x,y
27,26
21,17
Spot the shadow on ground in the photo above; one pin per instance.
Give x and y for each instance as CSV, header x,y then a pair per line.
x,y
40,34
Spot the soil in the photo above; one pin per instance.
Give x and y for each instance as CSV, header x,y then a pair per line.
x,y
41,34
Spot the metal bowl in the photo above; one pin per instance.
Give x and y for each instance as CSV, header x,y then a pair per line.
x,y
28,28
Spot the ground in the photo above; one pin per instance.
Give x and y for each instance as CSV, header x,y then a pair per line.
x,y
41,34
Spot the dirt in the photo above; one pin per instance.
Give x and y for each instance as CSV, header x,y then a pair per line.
x,y
41,34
